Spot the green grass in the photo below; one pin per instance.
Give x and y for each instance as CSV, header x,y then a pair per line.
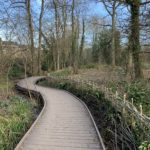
x,y
16,116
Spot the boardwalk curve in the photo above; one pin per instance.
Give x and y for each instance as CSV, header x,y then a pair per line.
x,y
64,123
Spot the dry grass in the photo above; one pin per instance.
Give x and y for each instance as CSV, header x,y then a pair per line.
x,y
101,74
4,83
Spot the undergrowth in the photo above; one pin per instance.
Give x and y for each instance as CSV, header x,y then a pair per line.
x,y
16,115
138,90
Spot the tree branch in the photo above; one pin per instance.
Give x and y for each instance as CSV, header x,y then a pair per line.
x,y
144,3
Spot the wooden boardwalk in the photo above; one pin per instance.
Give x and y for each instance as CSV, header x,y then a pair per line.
x,y
65,123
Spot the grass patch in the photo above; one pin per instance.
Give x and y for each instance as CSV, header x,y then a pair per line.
x,y
64,72
16,116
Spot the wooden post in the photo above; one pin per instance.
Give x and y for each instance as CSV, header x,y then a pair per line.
x,y
93,85
116,95
110,94
89,83
78,81
141,110
133,121
96,86
132,101
5,93
8,92
82,85
124,100
2,92
110,90
106,92
70,80
12,93
104,89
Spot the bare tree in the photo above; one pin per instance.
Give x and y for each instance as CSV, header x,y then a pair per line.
x,y
30,32
82,42
40,36
64,19
74,36
111,8
55,4
135,33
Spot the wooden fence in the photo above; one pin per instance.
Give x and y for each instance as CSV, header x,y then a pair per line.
x,y
120,102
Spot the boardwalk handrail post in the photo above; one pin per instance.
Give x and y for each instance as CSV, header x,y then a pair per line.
x,y
132,119
124,103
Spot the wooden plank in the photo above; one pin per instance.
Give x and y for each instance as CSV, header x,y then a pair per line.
x,y
64,123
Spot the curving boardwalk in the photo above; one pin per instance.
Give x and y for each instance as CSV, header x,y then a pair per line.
x,y
64,123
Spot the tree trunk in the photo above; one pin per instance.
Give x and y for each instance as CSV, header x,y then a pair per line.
x,y
40,36
135,35
113,35
129,62
30,32
55,2
64,49
112,13
82,43
73,45
1,49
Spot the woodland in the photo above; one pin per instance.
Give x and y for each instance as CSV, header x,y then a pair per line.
x,y
106,42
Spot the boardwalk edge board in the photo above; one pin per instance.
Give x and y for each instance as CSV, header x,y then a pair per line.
x,y
96,128
43,102
26,92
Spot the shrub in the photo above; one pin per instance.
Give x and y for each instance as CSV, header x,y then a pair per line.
x,y
16,71
44,66
145,146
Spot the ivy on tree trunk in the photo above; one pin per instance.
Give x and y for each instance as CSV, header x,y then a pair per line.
x,y
135,35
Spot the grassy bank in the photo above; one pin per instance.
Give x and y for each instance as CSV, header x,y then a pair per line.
x,y
115,129
138,91
16,116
